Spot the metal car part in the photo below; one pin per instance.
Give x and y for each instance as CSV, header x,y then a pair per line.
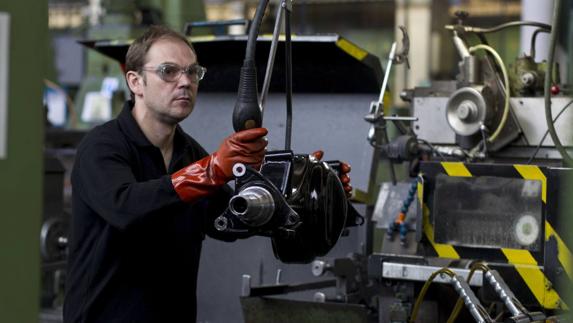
x,y
296,200
254,206
319,267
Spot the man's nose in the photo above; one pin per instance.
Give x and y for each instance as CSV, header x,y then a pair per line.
x,y
184,80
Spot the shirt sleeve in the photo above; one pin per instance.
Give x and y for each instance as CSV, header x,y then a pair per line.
x,y
104,179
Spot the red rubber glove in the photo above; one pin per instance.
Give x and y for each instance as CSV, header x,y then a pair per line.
x,y
203,177
343,175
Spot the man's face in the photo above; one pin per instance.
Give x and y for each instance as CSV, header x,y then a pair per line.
x,y
168,102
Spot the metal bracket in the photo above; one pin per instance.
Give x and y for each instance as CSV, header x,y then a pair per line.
x,y
279,289
421,273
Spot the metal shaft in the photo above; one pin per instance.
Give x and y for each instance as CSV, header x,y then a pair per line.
x,y
502,290
386,77
288,74
271,60
469,298
254,206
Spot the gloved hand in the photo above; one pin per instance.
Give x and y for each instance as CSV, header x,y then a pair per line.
x,y
204,176
343,175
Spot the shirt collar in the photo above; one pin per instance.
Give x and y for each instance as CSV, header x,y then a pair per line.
x,y
130,126
135,134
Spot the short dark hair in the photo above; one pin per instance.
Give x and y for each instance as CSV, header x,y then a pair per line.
x,y
135,57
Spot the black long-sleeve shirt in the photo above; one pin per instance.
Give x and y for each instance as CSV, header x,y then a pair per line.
x,y
135,246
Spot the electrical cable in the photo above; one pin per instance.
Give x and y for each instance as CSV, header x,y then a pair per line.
x,y
499,316
491,308
432,148
547,132
547,86
424,290
519,305
482,129
483,311
492,51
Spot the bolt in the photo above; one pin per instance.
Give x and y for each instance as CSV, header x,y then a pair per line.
x,y
466,110
528,79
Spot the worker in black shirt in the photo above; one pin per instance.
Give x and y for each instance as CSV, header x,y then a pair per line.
x,y
145,193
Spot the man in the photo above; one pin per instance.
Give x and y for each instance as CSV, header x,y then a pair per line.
x,y
144,192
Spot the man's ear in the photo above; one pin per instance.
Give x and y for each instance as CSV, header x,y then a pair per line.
x,y
135,82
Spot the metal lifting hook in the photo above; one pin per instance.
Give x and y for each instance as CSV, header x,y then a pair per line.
x,y
378,134
402,55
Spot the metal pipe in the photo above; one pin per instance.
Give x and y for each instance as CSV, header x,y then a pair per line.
x,y
503,291
532,51
381,131
386,77
271,60
547,85
288,69
470,300
460,46
499,27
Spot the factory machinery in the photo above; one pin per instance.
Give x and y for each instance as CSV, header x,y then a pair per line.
x,y
489,219
476,229
473,231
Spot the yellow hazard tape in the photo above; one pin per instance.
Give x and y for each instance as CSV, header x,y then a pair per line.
x,y
351,49
443,250
534,173
563,253
523,260
528,269
456,169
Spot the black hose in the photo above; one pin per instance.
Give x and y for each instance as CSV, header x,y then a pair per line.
x,y
254,30
548,78
288,63
247,112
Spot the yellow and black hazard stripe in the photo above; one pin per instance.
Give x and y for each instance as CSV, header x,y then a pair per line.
x,y
364,57
533,276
